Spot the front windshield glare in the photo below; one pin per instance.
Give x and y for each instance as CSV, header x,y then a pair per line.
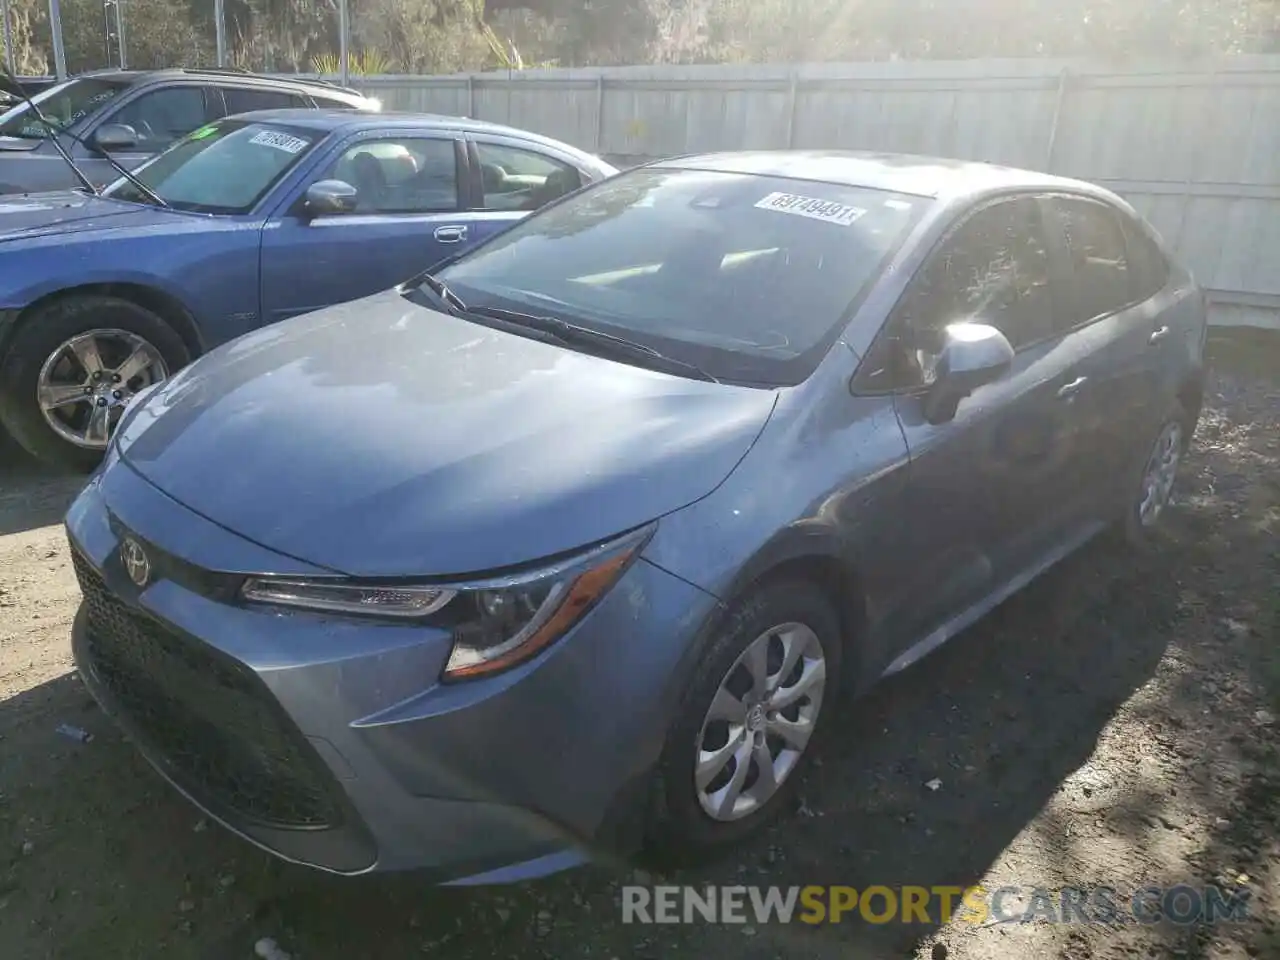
x,y
62,105
226,167
748,277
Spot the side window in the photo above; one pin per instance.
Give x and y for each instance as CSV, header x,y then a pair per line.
x,y
163,116
245,100
1095,241
1148,268
400,176
514,179
994,268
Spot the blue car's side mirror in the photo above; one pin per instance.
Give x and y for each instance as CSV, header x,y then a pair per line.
x,y
331,198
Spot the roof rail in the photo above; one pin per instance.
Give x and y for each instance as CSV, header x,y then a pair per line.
x,y
218,71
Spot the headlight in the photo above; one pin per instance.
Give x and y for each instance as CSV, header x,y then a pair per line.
x,y
496,623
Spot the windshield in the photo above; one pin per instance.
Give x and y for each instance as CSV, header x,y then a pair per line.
x,y
744,276
61,105
226,167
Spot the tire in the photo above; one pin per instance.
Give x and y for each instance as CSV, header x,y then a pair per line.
x,y
43,333
679,826
1141,529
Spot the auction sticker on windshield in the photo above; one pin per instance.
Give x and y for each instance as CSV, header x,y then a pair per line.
x,y
281,141
812,207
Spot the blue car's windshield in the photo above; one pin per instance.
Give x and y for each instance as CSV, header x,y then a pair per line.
x,y
226,167
748,277
61,105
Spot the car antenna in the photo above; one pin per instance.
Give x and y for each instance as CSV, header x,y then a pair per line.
x,y
119,168
53,131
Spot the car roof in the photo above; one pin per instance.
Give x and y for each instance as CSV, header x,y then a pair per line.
x,y
349,121
936,177
172,73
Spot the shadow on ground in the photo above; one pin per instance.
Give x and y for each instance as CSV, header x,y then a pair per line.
x,y
31,495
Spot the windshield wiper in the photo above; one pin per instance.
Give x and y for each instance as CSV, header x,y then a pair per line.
x,y
451,300
572,333
53,137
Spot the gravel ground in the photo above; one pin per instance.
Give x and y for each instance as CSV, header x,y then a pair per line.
x,y
1114,724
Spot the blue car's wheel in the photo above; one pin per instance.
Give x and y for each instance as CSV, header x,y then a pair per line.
x,y
71,369
766,684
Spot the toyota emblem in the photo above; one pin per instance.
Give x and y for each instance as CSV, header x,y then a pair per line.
x,y
136,564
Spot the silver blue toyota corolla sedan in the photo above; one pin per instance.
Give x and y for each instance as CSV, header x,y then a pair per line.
x,y
573,543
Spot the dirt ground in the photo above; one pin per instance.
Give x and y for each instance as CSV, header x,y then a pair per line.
x,y
1114,724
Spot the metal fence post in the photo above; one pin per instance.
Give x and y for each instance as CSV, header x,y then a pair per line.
x,y
344,28
8,36
55,26
471,96
599,134
792,90
120,42
220,30
1063,79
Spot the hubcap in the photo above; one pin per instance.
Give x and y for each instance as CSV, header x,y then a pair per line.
x,y
87,382
1162,470
760,721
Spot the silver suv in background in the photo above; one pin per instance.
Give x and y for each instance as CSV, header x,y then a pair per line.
x,y
132,115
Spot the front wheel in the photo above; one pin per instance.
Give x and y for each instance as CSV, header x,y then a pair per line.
x,y
73,367
758,699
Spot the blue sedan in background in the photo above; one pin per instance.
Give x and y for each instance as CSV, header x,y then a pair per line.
x,y
246,221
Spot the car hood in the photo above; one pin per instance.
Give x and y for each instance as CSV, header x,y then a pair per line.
x,y
65,212
381,438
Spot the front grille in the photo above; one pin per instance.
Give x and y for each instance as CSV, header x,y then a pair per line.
x,y
209,718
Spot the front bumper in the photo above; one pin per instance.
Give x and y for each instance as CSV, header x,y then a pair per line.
x,y
331,742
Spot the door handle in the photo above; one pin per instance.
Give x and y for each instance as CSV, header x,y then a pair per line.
x,y
451,234
1068,390
1158,335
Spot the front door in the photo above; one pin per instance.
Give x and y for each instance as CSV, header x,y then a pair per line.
x,y
408,217
994,487
159,116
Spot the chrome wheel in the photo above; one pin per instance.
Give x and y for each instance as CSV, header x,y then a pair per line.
x,y
86,383
760,721
1160,473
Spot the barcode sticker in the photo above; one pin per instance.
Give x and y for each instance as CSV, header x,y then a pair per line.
x,y
280,141
811,207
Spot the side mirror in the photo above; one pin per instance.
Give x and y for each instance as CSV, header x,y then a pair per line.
x,y
111,137
331,198
973,354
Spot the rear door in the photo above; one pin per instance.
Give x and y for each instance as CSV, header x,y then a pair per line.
x,y
1115,310
408,216
238,99
510,178
995,488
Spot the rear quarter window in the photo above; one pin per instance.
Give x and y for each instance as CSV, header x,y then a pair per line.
x,y
1148,269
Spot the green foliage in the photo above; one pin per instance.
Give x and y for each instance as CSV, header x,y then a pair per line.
x,y
446,36
362,63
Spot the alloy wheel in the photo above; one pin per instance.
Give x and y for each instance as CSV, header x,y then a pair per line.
x,y
1161,471
86,383
760,721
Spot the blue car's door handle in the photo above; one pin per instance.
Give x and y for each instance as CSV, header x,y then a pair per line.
x,y
1158,335
1071,389
453,233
